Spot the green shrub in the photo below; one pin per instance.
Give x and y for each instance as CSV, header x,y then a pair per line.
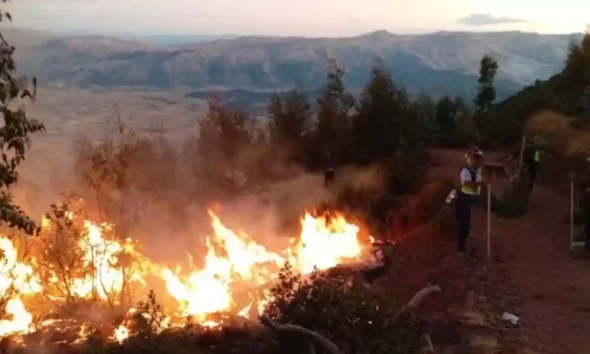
x,y
355,320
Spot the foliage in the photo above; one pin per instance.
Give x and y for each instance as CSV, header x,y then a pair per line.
x,y
334,118
123,165
383,117
487,93
455,119
15,134
355,320
290,120
423,109
446,112
576,77
567,93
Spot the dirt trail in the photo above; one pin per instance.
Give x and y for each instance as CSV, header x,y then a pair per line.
x,y
554,290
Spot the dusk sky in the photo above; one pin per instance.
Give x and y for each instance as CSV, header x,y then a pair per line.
x,y
300,17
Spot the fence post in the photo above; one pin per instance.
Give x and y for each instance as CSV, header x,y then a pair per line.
x,y
489,226
571,212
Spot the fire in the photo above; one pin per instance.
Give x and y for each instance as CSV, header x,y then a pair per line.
x,y
121,333
21,320
324,245
234,280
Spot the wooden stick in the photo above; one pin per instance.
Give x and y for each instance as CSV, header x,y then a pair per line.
x,y
521,157
489,221
315,339
571,214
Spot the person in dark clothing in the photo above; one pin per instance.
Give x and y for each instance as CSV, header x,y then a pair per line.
x,y
531,160
466,196
329,175
585,207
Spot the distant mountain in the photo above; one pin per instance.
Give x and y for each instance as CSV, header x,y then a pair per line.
x,y
443,62
173,39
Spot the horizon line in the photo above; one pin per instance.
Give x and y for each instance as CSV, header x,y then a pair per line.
x,y
137,35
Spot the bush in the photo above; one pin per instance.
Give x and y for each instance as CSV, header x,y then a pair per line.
x,y
514,203
355,320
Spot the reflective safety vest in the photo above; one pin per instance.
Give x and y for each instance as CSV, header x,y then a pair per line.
x,y
474,177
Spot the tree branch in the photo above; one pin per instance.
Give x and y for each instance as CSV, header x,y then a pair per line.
x,y
417,299
314,338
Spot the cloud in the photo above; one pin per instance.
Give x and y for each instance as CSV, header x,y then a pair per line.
x,y
487,19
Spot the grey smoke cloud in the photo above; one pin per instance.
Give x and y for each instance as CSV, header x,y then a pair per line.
x,y
487,19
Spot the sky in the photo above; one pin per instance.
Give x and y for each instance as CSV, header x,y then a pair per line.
x,y
330,18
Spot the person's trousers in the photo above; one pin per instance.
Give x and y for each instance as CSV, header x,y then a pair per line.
x,y
533,169
587,234
463,210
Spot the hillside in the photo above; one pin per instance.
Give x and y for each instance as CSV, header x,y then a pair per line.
x,y
442,62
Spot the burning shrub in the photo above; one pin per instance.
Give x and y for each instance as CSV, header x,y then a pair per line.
x,y
355,320
148,336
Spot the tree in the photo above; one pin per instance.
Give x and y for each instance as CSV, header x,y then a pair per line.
x,y
223,132
374,125
290,118
424,109
334,116
466,129
487,93
446,113
576,76
15,134
585,105
383,117
225,137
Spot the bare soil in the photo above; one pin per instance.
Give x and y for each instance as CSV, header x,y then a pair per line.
x,y
531,275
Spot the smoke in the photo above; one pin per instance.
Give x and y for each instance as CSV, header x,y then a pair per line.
x,y
157,188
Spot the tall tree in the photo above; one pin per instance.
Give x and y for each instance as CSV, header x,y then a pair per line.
x,y
224,137
487,93
334,116
15,134
382,120
290,119
576,76
446,115
585,105
423,108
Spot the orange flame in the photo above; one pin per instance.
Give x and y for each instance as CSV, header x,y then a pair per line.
x,y
233,279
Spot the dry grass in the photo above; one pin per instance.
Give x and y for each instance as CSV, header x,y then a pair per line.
x,y
571,142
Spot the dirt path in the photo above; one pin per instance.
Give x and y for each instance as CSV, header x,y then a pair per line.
x,y
554,290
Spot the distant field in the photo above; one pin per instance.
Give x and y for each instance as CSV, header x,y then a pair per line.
x,y
71,113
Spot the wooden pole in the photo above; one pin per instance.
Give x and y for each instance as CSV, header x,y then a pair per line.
x,y
489,221
521,157
571,213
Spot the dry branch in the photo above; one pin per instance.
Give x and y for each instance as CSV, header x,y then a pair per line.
x,y
317,341
314,338
417,299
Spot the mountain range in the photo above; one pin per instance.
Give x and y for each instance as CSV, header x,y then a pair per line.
x,y
437,63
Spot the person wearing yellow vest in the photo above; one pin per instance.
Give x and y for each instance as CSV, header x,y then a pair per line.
x,y
532,159
471,182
